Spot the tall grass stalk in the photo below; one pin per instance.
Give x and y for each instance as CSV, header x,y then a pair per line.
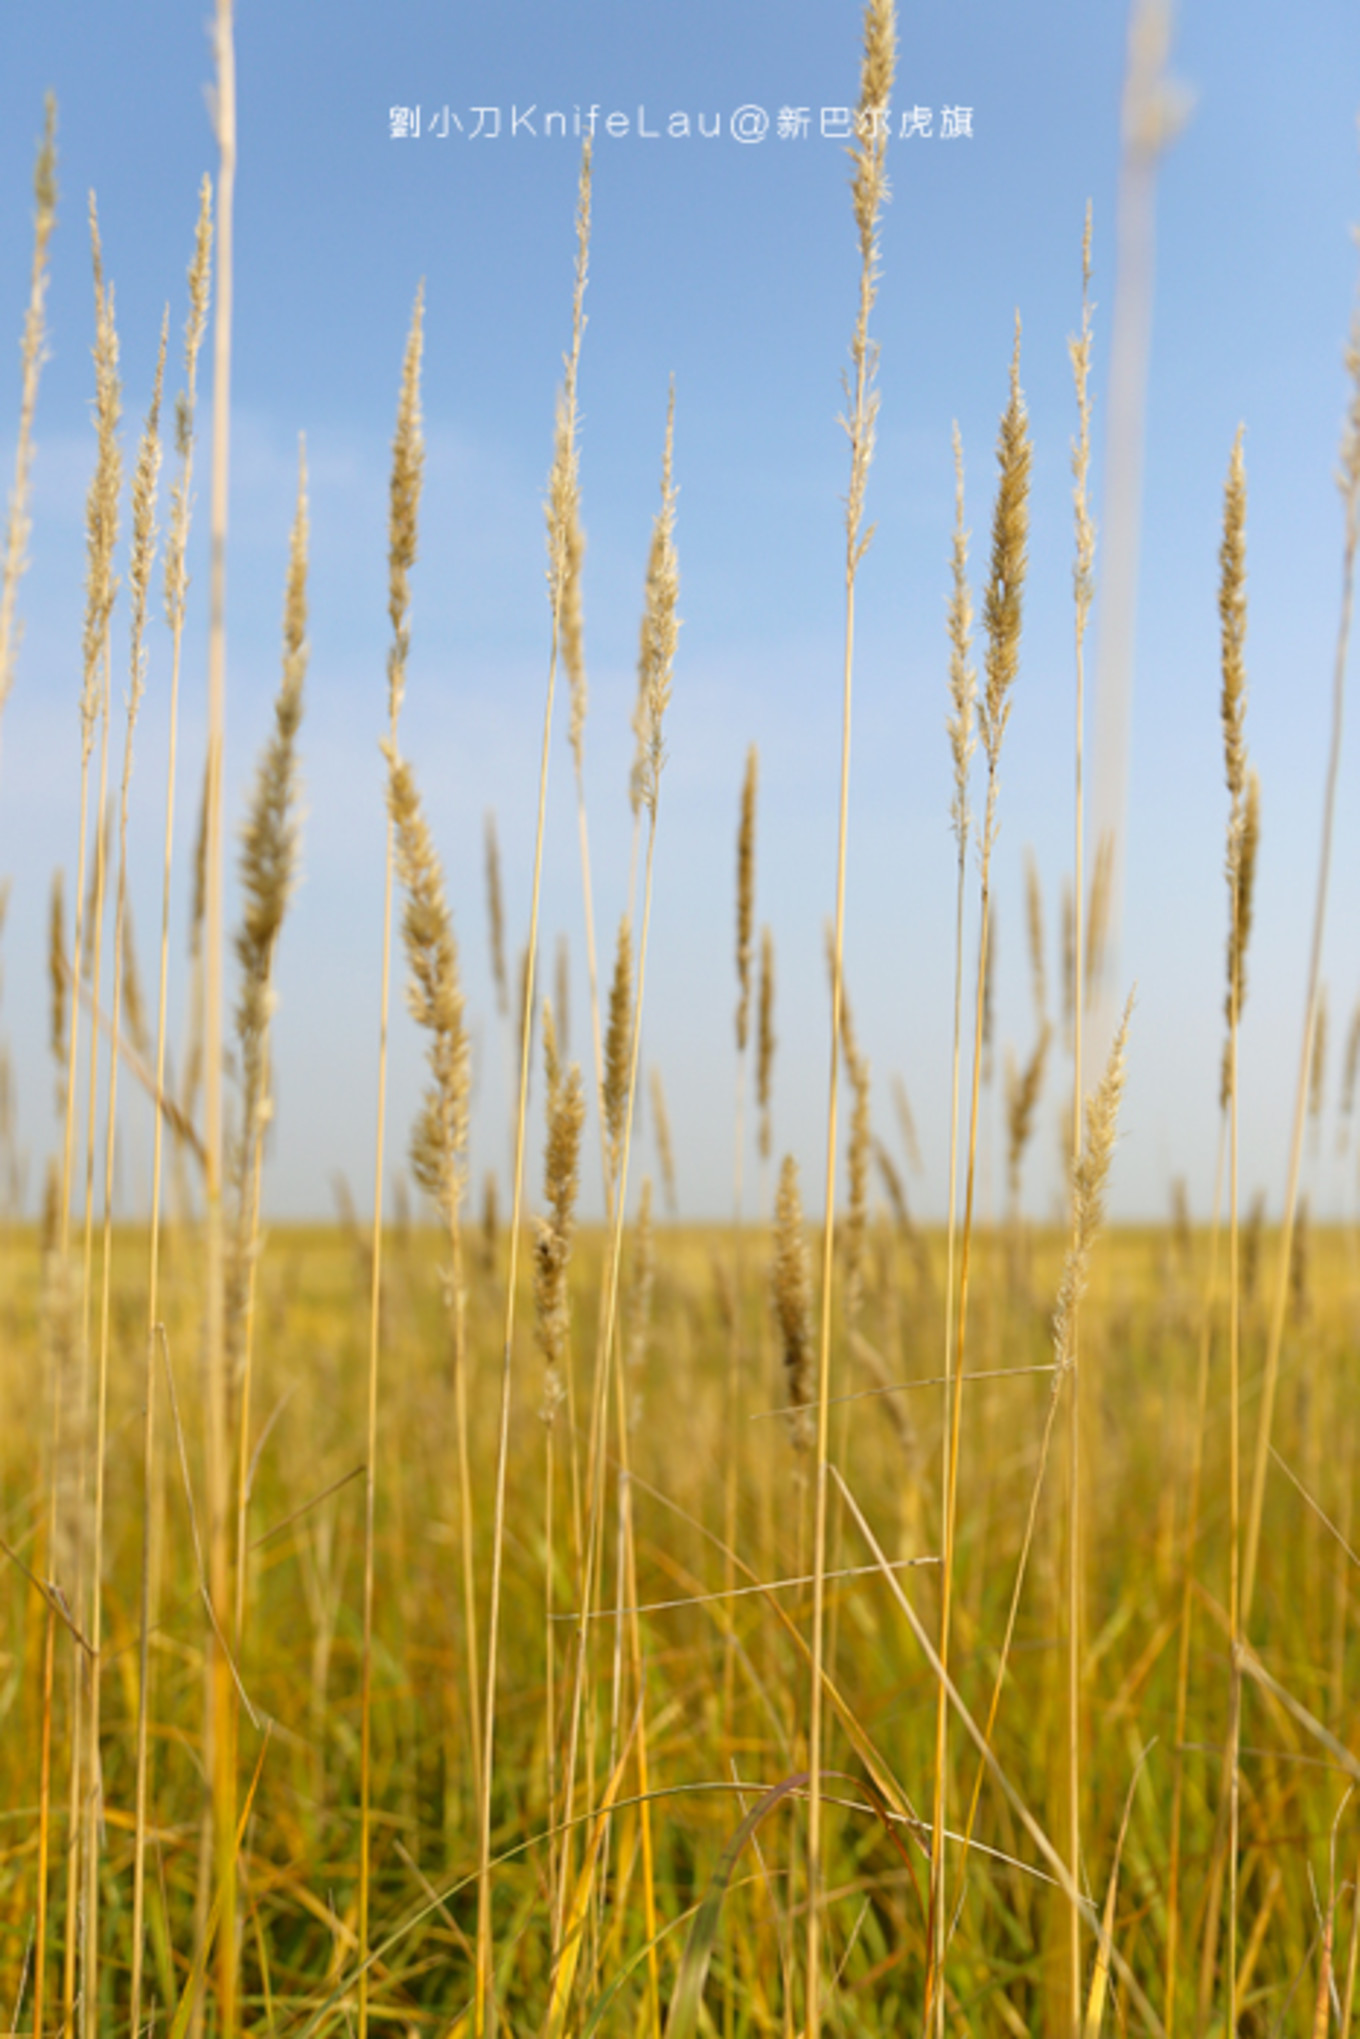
x,y
33,353
1348,480
176,591
660,630
219,1724
143,557
269,855
101,588
1232,606
746,874
1002,617
1083,590
962,743
869,186
562,516
408,455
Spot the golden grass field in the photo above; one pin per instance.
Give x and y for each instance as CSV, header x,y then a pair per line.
x,y
460,1624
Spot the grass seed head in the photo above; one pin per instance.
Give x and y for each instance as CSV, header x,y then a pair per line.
x,y
792,1293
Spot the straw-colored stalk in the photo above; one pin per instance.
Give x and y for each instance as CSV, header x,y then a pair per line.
x,y
142,560
219,1725
1232,609
32,354
269,859
439,1138
1083,594
658,639
1090,1178
552,1256
962,743
869,189
408,464
746,891
562,512
101,517
176,591
1002,619
765,1040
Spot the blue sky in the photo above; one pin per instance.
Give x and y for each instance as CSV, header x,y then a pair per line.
x,y
731,267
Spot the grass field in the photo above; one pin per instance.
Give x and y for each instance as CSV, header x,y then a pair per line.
x,y
465,1623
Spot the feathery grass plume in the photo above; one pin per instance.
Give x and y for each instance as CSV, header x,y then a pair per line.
x,y
962,672
660,625
495,915
989,999
1350,1072
561,1178
269,860
617,1047
566,540
746,886
1317,1073
1089,1183
1079,353
56,980
562,994
1006,578
1098,914
1232,612
33,353
893,1187
640,1297
269,842
661,1133
765,1039
1023,1090
408,474
906,1125
1034,928
791,1290
858,1147
434,997
177,538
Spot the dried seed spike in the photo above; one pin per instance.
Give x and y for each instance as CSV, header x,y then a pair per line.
x,y
746,885
792,1294
1005,584
408,468
618,1045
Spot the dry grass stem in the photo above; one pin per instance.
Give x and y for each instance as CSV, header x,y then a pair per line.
x,y
33,353
403,517
869,192
765,1040
661,1134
